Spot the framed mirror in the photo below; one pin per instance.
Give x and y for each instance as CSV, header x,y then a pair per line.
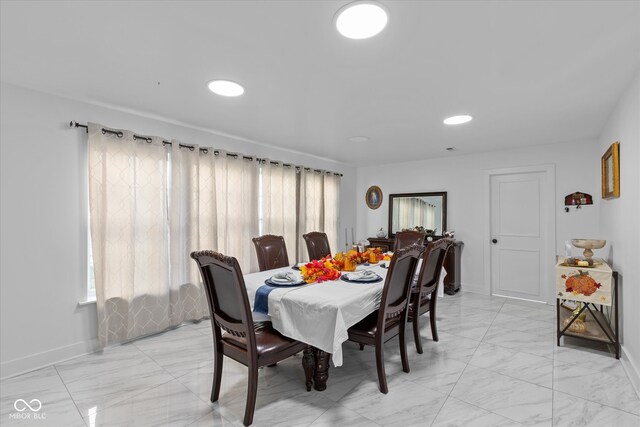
x,y
411,210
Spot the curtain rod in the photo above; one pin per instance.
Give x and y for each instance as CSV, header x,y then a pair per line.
x,y
119,134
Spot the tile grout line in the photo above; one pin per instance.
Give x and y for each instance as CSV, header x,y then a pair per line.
x,y
69,393
481,342
458,380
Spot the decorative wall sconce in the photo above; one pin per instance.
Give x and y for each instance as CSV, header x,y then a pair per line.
x,y
577,199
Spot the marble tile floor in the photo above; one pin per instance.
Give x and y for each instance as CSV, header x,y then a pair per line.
x,y
496,364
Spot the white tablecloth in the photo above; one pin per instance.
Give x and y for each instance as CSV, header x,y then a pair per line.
x,y
318,314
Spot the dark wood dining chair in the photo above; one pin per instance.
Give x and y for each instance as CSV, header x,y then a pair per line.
x,y
407,238
271,251
234,333
425,292
391,318
317,245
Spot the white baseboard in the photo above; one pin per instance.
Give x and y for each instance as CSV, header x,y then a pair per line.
x,y
632,371
29,363
476,289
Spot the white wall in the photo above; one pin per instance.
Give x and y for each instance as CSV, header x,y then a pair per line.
x,y
462,177
44,222
620,220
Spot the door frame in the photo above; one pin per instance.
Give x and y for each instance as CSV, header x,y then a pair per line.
x,y
548,222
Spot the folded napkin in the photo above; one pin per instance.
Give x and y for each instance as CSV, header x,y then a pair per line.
x,y
284,278
362,275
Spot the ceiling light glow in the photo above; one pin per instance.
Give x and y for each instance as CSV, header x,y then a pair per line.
x,y
457,120
361,19
225,88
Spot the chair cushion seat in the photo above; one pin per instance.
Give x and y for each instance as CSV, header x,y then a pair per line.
x,y
267,339
368,326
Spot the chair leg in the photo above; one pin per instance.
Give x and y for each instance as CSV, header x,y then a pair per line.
x,y
432,320
382,377
252,389
403,349
416,333
217,375
361,347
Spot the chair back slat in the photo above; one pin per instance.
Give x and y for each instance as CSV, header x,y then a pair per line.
x,y
432,261
407,238
317,245
237,329
397,286
226,294
271,251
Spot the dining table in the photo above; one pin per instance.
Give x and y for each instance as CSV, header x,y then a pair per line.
x,y
318,314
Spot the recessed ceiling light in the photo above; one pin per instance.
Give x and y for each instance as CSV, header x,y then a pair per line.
x,y
358,138
457,120
361,19
225,88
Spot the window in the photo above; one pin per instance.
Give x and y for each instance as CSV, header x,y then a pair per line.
x,y
277,212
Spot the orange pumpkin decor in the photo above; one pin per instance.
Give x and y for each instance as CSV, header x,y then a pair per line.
x,y
581,283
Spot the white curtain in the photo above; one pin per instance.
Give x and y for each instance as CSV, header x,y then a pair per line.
x,y
412,212
310,208
236,192
129,228
318,207
278,204
152,204
430,216
187,298
331,208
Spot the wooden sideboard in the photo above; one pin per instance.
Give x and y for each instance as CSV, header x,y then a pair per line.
x,y
451,263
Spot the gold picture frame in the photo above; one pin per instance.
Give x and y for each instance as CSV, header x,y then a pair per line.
x,y
373,197
611,172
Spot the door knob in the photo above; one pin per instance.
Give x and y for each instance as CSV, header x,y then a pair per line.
x,y
494,241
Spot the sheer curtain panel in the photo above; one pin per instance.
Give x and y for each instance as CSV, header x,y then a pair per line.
x,y
331,204
187,298
236,183
310,208
278,190
129,228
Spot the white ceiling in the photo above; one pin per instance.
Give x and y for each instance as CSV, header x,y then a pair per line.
x,y
529,72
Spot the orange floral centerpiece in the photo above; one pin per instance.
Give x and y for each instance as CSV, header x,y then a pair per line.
x,y
320,270
373,255
349,260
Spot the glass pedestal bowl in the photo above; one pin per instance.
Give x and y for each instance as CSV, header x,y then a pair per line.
x,y
588,245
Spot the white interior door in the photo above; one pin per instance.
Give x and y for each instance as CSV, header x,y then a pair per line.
x,y
521,210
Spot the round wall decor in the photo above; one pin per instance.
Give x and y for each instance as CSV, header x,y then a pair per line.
x,y
374,197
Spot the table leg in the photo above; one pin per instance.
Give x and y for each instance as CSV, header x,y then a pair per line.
x,y
309,365
322,369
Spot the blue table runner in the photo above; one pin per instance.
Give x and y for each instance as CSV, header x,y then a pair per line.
x,y
261,302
